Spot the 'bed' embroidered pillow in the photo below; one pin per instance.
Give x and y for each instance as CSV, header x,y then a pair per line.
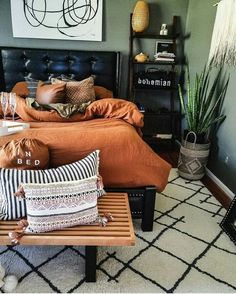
x,y
59,205
11,179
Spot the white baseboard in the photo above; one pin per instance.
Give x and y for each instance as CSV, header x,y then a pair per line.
x,y
221,185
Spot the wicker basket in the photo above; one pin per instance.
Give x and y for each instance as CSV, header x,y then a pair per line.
x,y
193,159
140,17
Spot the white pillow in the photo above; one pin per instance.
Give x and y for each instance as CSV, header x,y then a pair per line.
x,y
59,205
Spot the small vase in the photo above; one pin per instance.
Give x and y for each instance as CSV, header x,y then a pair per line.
x,y
140,18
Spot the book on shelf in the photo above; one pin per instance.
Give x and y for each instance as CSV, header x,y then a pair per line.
x,y
164,59
164,56
163,136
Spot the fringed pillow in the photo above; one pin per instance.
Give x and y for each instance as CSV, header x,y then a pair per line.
x,y
59,205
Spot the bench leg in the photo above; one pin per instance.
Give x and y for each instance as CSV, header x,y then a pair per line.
x,y
148,209
90,263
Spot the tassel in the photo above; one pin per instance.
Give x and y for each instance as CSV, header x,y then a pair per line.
x,y
20,192
23,224
108,216
15,236
100,182
103,220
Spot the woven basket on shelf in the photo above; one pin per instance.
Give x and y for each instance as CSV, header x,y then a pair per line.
x,y
140,18
193,159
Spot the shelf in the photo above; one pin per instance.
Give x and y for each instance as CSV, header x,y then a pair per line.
x,y
155,62
154,138
168,113
154,36
164,97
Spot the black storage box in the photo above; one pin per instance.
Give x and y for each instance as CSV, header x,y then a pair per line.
x,y
154,79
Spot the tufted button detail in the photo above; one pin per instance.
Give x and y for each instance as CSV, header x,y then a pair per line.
x,y
71,61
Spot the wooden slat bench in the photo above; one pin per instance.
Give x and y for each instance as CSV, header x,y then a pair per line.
x,y
118,232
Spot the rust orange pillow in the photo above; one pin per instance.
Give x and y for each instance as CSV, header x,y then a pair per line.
x,y
102,92
21,89
24,154
50,94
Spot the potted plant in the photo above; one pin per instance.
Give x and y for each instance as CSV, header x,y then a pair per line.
x,y
202,110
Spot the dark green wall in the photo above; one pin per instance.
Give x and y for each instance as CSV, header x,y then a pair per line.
x,y
115,28
200,22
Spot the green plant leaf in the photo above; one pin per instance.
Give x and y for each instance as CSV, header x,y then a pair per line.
x,y
204,103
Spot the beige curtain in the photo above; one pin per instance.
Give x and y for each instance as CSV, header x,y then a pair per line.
x,y
223,43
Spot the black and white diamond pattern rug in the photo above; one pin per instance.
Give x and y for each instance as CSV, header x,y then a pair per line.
x,y
186,252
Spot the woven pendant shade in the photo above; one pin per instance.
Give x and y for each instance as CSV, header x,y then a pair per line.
x,y
140,18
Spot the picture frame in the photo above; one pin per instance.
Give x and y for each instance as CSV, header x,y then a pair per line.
x,y
164,46
57,19
228,224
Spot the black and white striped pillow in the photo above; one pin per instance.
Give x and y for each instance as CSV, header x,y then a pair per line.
x,y
11,179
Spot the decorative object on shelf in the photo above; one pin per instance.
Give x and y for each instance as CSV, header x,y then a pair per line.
x,y
223,42
140,17
153,78
164,46
164,30
141,57
203,110
228,224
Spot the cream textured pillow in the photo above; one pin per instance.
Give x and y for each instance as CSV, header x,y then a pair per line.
x,y
78,92
59,205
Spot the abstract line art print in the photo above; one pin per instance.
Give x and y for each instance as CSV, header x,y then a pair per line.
x,y
57,19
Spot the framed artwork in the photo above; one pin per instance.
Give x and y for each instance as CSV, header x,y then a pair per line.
x,y
57,19
228,223
164,46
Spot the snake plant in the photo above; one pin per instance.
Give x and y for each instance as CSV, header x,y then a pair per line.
x,y
204,100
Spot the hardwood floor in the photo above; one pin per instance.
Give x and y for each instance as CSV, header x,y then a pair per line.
x,y
221,196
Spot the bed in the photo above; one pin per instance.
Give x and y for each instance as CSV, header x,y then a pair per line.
x,y
127,163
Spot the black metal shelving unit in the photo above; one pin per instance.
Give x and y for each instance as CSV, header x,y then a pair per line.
x,y
157,123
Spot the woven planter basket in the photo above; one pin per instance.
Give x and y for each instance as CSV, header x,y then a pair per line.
x,y
140,17
193,159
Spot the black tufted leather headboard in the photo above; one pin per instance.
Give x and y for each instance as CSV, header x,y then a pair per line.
x,y
40,64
